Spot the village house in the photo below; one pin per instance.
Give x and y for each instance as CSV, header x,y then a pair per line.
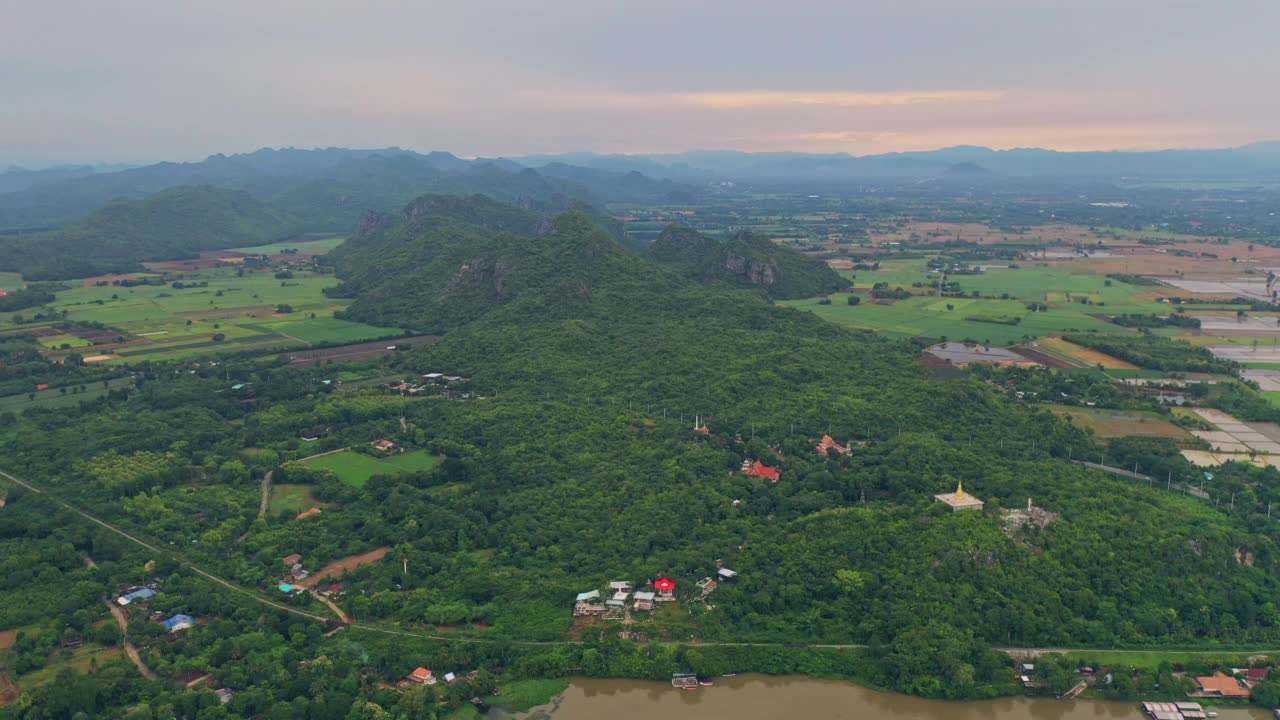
x,y
706,585
827,446
764,472
179,622
588,604
308,513
225,695
384,445
310,436
725,575
620,598
960,500
621,586
666,589
643,601
135,595
1220,685
333,591
291,560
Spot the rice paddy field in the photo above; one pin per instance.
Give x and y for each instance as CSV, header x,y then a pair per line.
x,y
356,468
984,319
1122,423
233,313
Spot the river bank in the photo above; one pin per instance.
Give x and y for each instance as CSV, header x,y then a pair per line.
x,y
763,697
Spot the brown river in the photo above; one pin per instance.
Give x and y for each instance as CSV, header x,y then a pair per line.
x,y
758,697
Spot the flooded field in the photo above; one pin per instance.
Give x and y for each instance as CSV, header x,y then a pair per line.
x,y
755,697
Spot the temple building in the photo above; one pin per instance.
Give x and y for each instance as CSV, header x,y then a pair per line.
x,y
960,500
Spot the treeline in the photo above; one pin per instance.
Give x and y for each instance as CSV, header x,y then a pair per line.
x,y
1137,320
1155,352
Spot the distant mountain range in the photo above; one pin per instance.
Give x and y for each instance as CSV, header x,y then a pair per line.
x,y
1256,161
328,189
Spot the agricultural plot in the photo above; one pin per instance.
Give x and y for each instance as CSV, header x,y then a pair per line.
x,y
1085,356
233,313
303,247
356,468
1122,423
55,398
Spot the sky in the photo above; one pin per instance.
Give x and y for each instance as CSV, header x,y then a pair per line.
x,y
145,80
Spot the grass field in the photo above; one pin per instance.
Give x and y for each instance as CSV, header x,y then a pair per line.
x,y
290,498
1151,659
240,311
82,659
1121,423
356,468
521,696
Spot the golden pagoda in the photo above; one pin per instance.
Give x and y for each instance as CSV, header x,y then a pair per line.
x,y
960,500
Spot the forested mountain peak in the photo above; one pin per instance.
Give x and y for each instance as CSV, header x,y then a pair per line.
x,y
173,223
747,260
448,260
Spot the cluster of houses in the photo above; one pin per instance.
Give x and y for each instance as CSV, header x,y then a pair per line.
x,y
295,574
423,676
621,595
431,384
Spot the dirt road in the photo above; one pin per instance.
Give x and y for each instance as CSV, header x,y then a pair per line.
x,y
123,621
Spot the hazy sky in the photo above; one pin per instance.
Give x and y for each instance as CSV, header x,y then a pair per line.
x,y
141,80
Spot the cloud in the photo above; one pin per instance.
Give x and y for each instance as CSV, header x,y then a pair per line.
x,y
836,99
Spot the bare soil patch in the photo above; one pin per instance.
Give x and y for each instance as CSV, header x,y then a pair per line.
x,y
337,567
357,351
8,638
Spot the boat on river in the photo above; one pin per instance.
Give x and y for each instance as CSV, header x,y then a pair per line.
x,y
684,681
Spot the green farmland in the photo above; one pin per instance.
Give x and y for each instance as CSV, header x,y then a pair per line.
x,y
233,313
975,318
356,468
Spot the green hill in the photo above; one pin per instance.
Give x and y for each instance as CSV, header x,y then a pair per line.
x,y
745,260
174,223
448,260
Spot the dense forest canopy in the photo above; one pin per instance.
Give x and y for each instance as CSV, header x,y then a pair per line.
x,y
567,458
745,260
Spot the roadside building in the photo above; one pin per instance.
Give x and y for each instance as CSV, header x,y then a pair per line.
x,y
136,595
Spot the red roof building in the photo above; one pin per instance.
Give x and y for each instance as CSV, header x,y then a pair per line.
x,y
42,386
665,587
827,445
3,293
308,513
1221,685
385,445
421,676
760,470
1255,675
291,560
